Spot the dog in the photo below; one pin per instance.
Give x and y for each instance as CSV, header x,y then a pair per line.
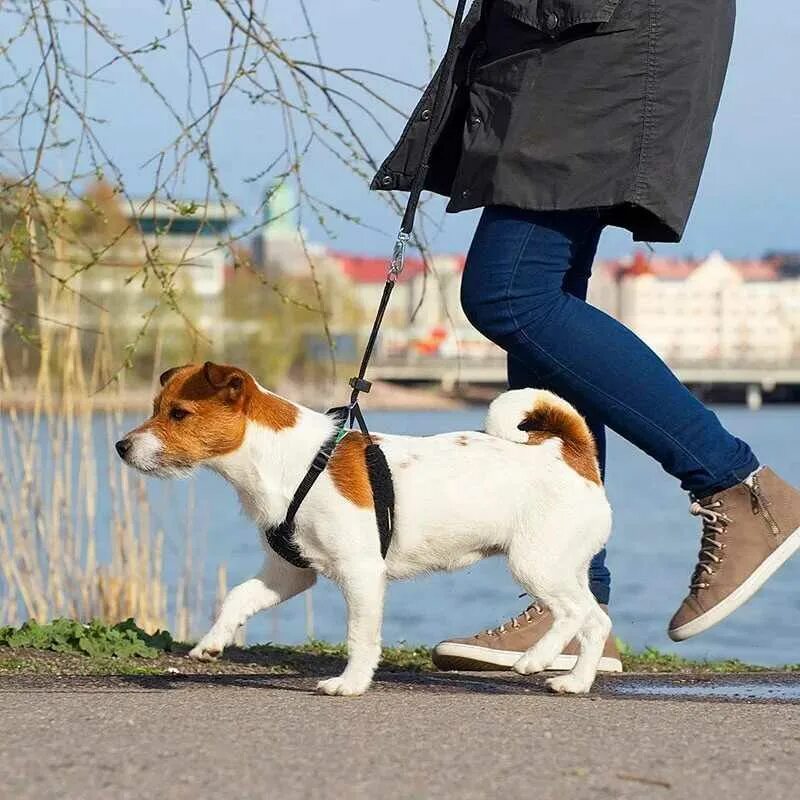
x,y
528,488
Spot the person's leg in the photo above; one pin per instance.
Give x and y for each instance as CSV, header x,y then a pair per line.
x,y
521,376
513,292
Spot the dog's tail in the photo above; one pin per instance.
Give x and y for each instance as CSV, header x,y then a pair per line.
x,y
530,416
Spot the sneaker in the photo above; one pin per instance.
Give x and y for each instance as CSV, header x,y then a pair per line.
x,y
749,531
500,648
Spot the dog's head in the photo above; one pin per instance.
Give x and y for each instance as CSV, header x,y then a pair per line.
x,y
201,413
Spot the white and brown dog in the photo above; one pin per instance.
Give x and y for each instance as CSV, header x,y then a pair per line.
x,y
529,488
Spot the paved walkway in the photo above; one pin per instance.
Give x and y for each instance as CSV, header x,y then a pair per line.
x,y
412,737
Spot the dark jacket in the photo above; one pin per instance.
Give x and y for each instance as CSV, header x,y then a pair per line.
x,y
566,104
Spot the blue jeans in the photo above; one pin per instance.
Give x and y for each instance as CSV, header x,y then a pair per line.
x,y
524,287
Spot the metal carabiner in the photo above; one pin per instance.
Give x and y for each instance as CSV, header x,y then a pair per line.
x,y
398,256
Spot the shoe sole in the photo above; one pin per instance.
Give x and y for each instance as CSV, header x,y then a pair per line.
x,y
471,658
765,570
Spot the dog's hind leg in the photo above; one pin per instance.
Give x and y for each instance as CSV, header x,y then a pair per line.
x,y
569,610
277,581
548,568
552,566
363,584
591,638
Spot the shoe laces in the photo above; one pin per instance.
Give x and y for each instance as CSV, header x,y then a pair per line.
x,y
715,521
521,619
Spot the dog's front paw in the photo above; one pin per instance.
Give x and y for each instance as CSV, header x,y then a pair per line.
x,y
568,684
207,650
343,686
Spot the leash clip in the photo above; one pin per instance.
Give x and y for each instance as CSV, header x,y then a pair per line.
x,y
398,256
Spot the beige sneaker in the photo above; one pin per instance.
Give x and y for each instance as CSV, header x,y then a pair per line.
x,y
749,531
500,648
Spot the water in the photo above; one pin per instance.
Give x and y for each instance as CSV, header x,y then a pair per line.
x,y
774,688
652,552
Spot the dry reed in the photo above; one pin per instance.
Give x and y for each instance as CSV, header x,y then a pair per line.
x,y
57,558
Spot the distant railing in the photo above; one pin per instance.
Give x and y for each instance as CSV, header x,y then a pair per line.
x,y
414,368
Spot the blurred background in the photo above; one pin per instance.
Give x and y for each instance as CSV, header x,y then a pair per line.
x,y
190,182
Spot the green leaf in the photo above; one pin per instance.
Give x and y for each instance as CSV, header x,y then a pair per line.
x,y
95,639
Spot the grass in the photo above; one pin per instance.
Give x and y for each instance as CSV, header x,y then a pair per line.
x,y
66,647
95,639
654,661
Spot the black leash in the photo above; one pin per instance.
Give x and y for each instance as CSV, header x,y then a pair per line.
x,y
359,383
281,537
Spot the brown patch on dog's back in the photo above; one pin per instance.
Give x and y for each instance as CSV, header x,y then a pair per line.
x,y
348,470
462,441
549,421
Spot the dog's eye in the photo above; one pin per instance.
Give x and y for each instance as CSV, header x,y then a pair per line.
x,y
178,414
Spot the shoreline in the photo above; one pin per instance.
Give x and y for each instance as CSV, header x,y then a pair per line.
x,y
383,397
69,647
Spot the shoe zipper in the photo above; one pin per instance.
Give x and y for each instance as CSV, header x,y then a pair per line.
x,y
760,506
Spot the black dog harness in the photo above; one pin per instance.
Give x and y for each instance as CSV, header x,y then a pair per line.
x,y
281,537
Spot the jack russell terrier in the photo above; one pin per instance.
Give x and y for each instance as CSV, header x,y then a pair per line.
x,y
528,488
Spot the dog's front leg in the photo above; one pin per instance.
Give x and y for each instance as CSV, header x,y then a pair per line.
x,y
277,581
364,587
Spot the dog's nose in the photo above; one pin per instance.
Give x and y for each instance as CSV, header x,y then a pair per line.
x,y
123,446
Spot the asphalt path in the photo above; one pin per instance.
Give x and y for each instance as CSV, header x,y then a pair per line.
x,y
432,736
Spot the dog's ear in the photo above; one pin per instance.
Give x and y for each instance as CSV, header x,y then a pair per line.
x,y
165,376
223,378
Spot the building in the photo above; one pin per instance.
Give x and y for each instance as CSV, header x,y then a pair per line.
x,y
124,236
710,312
425,318
122,254
189,235
281,249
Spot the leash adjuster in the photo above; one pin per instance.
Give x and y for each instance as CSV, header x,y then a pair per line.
x,y
360,384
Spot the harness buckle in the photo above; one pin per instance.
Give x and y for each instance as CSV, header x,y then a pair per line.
x,y
398,256
321,459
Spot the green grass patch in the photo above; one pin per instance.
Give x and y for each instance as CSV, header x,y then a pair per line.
x,y
96,648
652,659
393,659
94,639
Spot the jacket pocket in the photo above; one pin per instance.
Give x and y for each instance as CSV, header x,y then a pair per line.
x,y
556,17
507,73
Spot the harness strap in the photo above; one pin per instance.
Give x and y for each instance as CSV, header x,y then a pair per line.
x,y
281,540
281,537
319,463
380,480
